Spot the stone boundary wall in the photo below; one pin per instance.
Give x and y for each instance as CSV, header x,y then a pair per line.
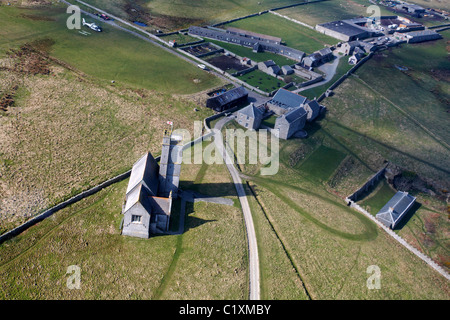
x,y
245,71
229,76
419,254
293,20
346,75
443,28
440,26
166,34
206,121
370,183
295,5
49,212
309,82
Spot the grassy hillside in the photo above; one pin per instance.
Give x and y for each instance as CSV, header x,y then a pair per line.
x,y
178,14
68,127
328,244
110,55
330,11
207,261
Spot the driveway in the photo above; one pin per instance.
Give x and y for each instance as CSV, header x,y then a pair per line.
x,y
254,287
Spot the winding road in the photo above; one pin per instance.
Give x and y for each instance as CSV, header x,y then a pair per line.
x,y
254,275
254,286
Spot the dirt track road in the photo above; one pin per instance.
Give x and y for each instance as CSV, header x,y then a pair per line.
x,y
254,286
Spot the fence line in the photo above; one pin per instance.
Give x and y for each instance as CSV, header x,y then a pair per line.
x,y
370,183
419,254
292,20
49,212
345,76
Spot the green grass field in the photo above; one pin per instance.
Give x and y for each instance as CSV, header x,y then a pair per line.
x,y
178,14
382,113
322,163
258,57
262,81
207,261
327,11
110,55
292,34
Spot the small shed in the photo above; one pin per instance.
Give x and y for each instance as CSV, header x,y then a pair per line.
x,y
396,208
287,70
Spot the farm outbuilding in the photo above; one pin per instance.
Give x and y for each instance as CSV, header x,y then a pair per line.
x,y
228,99
256,44
250,117
269,67
345,30
396,208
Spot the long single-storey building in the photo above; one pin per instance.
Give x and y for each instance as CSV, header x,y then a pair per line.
x,y
228,99
345,30
255,44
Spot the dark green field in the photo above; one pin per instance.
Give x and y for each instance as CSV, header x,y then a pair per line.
x,y
322,163
262,81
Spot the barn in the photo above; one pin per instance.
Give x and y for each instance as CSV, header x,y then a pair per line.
x,y
228,99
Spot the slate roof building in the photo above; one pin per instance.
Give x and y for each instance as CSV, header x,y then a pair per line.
x,y
170,165
250,117
396,208
269,67
287,70
345,30
290,122
284,101
228,99
150,190
243,40
319,57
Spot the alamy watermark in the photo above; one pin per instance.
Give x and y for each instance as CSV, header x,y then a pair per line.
x,y
374,20
74,21
74,280
374,281
234,146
